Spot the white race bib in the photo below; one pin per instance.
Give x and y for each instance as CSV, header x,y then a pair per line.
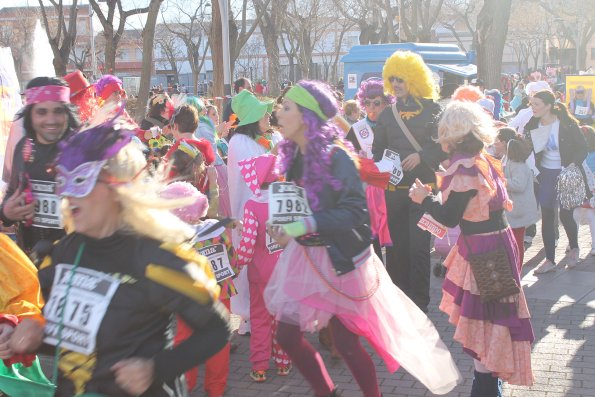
x,y
47,205
365,136
85,306
217,255
396,171
581,110
272,245
287,203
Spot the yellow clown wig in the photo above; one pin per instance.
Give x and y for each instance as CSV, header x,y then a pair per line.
x,y
410,67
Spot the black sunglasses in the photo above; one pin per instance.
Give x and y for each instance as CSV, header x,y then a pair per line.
x,y
393,79
376,103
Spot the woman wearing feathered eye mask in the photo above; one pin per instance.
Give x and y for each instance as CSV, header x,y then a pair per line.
x,y
113,285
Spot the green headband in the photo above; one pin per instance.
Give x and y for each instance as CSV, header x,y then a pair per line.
x,y
302,97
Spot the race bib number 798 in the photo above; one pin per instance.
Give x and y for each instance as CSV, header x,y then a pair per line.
x,y
287,203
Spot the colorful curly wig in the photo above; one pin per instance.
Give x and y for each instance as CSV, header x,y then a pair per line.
x,y
371,88
410,67
469,93
320,135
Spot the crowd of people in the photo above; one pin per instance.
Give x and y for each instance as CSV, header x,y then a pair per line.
x,y
304,214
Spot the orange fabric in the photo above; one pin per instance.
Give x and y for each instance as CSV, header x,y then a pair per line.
x,y
369,173
216,367
478,208
20,294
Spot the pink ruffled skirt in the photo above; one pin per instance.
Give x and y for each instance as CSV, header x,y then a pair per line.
x,y
304,290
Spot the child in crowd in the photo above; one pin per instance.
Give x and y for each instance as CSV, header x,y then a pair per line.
x,y
216,246
586,213
513,151
260,253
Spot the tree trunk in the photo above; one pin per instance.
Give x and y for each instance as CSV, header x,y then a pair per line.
x,y
109,54
492,28
148,39
217,50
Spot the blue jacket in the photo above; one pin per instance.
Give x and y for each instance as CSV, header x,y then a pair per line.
x,y
343,222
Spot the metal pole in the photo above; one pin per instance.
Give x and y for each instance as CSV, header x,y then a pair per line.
x,y
400,3
224,9
93,55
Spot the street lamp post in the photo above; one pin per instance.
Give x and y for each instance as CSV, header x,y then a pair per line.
x,y
224,10
93,55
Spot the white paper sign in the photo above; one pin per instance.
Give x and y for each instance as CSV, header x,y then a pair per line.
x,y
287,203
352,80
396,169
47,205
217,255
431,225
581,110
85,306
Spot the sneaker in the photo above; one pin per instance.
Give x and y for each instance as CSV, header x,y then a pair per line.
x,y
283,370
546,267
572,258
244,328
258,376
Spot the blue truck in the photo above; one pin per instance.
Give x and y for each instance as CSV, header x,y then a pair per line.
x,y
452,66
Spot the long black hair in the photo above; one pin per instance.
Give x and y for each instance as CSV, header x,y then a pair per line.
x,y
71,109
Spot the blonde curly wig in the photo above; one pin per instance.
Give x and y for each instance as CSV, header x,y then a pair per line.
x,y
410,67
461,118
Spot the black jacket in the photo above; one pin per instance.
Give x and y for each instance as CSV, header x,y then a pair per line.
x,y
573,146
43,157
343,222
155,283
388,135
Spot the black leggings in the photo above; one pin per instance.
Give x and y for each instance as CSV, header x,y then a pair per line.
x,y
548,230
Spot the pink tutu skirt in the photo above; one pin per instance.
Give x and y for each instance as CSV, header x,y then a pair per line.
x,y
304,290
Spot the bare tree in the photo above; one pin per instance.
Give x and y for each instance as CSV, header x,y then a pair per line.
x,y
188,22
239,35
307,22
419,18
575,20
19,37
148,36
114,23
492,28
270,26
249,58
330,47
376,19
80,56
461,16
170,51
60,35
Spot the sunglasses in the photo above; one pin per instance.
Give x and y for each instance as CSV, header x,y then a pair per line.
x,y
376,103
395,79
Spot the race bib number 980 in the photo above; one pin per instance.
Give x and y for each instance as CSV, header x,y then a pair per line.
x,y
47,205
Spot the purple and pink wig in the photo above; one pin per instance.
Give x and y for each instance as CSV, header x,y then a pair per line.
x,y
372,88
321,134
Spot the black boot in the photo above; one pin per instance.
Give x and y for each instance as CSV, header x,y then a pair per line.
x,y
335,393
485,385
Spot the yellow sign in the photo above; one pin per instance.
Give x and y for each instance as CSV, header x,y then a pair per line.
x,y
579,97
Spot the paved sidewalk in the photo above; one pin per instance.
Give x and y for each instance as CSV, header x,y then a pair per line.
x,y
563,308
